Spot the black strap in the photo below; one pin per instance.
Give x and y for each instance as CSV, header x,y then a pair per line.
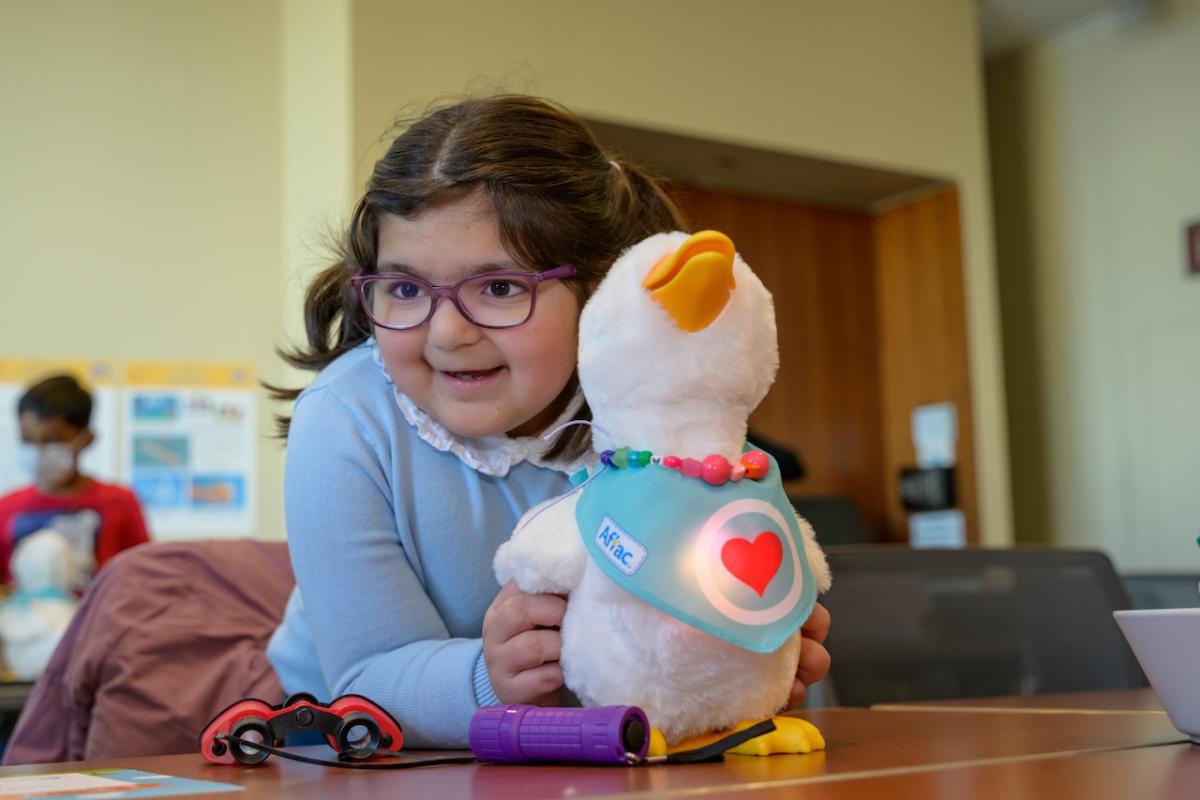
x,y
350,763
716,750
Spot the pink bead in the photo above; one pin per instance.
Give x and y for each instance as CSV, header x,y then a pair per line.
x,y
715,469
674,462
737,472
756,464
692,468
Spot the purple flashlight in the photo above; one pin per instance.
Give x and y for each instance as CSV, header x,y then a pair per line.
x,y
518,734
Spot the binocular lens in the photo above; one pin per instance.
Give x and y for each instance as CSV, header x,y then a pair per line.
x,y
254,731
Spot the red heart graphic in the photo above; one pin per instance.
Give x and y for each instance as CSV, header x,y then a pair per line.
x,y
753,563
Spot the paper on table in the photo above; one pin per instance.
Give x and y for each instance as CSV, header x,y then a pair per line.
x,y
111,783
58,784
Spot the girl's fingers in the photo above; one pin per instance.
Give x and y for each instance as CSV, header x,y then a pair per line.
x,y
544,610
534,685
530,650
514,611
495,628
814,662
506,591
797,695
817,627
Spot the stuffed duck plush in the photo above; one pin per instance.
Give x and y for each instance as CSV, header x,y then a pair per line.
x,y
688,573
35,616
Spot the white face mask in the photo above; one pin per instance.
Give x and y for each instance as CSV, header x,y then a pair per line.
x,y
51,464
27,460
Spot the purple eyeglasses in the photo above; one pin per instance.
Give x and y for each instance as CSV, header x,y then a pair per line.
x,y
397,301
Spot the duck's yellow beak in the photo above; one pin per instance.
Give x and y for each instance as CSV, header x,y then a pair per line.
x,y
693,284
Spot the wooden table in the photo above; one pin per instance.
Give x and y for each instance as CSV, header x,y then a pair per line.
x,y
924,753
1127,700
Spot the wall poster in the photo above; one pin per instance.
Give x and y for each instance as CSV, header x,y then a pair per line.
x,y
190,446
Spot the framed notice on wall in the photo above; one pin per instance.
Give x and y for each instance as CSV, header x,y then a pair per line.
x,y
97,376
190,446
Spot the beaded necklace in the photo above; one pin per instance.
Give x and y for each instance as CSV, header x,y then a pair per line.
x,y
714,469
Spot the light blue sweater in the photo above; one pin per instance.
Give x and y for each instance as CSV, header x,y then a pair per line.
x,y
392,543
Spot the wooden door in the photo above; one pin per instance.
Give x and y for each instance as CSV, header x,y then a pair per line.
x,y
871,323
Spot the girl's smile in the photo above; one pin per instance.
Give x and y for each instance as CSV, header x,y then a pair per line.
x,y
466,380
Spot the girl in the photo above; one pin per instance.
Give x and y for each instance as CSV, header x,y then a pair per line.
x,y
446,342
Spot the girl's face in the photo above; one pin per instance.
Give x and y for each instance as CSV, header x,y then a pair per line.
x,y
475,381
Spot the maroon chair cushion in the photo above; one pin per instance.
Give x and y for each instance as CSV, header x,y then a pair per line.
x,y
167,636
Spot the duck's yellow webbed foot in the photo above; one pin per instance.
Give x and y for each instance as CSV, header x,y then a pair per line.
x,y
658,743
791,735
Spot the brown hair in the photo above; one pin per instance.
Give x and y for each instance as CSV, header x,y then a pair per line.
x,y
58,396
558,196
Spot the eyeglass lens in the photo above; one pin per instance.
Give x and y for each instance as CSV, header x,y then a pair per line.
x,y
398,302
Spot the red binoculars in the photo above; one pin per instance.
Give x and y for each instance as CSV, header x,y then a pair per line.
x,y
354,726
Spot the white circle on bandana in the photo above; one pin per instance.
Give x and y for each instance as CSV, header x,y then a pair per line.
x,y
707,546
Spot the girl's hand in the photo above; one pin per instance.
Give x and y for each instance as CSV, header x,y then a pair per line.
x,y
521,646
814,658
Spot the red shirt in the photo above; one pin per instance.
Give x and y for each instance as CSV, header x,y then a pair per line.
x,y
108,515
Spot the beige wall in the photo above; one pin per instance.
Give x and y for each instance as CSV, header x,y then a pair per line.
x,y
202,147
139,214
316,149
894,85
1095,138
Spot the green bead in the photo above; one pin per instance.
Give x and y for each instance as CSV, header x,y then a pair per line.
x,y
640,458
620,458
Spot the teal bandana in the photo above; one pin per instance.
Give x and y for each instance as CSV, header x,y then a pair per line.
x,y
726,559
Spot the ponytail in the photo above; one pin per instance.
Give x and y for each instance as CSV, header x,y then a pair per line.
x,y
334,323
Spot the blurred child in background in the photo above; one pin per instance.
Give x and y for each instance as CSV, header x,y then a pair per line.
x,y
98,519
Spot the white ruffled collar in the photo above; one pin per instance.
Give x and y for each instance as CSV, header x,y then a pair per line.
x,y
491,455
